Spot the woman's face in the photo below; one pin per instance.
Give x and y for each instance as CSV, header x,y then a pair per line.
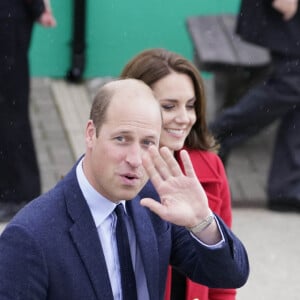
x,y
176,95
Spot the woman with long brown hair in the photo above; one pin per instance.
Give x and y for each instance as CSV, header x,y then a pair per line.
x,y
179,88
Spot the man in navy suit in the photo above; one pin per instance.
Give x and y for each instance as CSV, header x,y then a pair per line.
x,y
62,245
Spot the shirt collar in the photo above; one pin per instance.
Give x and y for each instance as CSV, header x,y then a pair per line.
x,y
100,206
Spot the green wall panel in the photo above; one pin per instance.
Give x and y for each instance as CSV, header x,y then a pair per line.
x,y
116,30
50,47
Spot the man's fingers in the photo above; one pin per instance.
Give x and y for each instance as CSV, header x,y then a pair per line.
x,y
187,164
171,162
154,206
151,170
155,165
164,162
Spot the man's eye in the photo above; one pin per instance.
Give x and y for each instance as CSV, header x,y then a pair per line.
x,y
120,138
148,143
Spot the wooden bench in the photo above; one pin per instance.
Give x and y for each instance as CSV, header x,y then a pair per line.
x,y
73,103
235,64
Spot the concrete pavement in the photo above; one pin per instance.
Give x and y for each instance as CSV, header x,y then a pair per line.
x,y
271,238
272,242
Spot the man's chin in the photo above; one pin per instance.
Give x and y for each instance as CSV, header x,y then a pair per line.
x,y
129,194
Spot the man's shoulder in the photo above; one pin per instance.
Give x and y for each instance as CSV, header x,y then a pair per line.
x,y
41,211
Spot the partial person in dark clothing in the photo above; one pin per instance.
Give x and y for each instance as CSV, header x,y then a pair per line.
x,y
19,172
276,26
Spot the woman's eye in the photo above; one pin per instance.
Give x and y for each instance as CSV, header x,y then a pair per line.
x,y
191,106
167,106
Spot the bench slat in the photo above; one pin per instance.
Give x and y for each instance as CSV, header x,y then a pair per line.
x,y
73,104
217,46
207,36
247,54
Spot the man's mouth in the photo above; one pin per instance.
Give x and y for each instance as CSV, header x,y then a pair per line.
x,y
130,178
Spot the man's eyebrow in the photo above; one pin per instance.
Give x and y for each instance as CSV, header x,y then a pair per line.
x,y
128,132
124,131
151,137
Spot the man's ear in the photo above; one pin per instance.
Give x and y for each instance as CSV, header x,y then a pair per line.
x,y
90,134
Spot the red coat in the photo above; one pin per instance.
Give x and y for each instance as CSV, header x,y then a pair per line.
x,y
211,173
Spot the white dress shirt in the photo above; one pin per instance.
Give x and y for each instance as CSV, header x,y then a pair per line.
x,y
105,220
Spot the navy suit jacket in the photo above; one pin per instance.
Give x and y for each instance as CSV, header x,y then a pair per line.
x,y
51,250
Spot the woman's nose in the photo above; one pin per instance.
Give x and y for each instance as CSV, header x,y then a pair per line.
x,y
182,116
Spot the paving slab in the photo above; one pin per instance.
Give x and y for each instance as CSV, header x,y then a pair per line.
x,y
273,245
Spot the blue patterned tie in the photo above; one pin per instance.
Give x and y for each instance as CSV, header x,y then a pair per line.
x,y
127,274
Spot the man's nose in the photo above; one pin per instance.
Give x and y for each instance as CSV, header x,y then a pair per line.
x,y
134,155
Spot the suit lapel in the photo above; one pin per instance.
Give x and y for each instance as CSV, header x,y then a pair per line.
x,y
85,238
147,243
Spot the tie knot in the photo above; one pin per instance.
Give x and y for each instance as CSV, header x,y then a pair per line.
x,y
120,210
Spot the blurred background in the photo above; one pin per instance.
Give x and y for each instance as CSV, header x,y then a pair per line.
x,y
115,31
111,33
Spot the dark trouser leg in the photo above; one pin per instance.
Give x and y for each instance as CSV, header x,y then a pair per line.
x,y
19,174
259,107
284,176
277,98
